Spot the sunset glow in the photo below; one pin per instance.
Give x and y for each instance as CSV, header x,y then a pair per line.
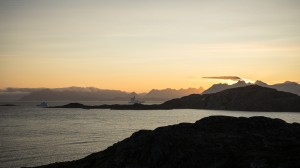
x,y
140,45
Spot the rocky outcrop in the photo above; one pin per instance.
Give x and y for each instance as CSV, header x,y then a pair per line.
x,y
216,141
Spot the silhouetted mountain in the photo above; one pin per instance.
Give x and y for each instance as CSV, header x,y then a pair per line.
x,y
291,87
248,98
10,97
215,141
91,93
94,94
261,83
167,94
76,94
220,87
15,94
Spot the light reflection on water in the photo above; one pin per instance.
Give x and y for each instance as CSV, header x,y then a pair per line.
x,y
33,136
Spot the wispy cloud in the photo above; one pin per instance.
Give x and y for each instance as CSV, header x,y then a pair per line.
x,y
234,78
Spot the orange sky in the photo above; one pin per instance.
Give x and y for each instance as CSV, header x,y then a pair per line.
x,y
140,45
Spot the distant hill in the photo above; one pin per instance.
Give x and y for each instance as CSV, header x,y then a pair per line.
x,y
95,94
248,98
167,94
291,87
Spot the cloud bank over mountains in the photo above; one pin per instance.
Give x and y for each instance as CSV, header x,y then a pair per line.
x,y
95,94
90,94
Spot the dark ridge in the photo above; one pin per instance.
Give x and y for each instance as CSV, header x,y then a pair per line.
x,y
113,107
249,98
8,105
216,141
74,105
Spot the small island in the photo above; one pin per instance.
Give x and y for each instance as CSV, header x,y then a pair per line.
x,y
8,105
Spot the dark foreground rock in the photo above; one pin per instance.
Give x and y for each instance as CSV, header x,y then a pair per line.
x,y
217,141
249,98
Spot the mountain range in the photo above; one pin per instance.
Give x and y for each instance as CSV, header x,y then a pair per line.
x,y
96,94
248,98
90,94
291,87
167,94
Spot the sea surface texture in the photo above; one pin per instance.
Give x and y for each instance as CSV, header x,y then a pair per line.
x,y
32,136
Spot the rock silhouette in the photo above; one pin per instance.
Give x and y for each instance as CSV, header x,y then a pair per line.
x,y
215,141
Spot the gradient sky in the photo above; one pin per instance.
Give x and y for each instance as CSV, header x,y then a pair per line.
x,y
137,45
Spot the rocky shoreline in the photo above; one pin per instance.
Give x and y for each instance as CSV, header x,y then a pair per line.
x,y
216,141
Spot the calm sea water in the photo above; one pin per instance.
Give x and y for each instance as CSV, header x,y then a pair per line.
x,y
31,136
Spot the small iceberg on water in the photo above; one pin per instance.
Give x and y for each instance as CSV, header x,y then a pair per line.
x,y
134,100
43,104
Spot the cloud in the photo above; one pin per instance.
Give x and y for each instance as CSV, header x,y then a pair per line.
x,y
234,78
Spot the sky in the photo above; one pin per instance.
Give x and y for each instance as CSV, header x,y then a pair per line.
x,y
138,45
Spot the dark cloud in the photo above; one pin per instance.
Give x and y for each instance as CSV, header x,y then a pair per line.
x,y
234,78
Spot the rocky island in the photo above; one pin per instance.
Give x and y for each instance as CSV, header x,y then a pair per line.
x,y
8,105
248,98
216,141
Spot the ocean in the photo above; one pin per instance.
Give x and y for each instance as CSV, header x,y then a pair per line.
x,y
32,136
